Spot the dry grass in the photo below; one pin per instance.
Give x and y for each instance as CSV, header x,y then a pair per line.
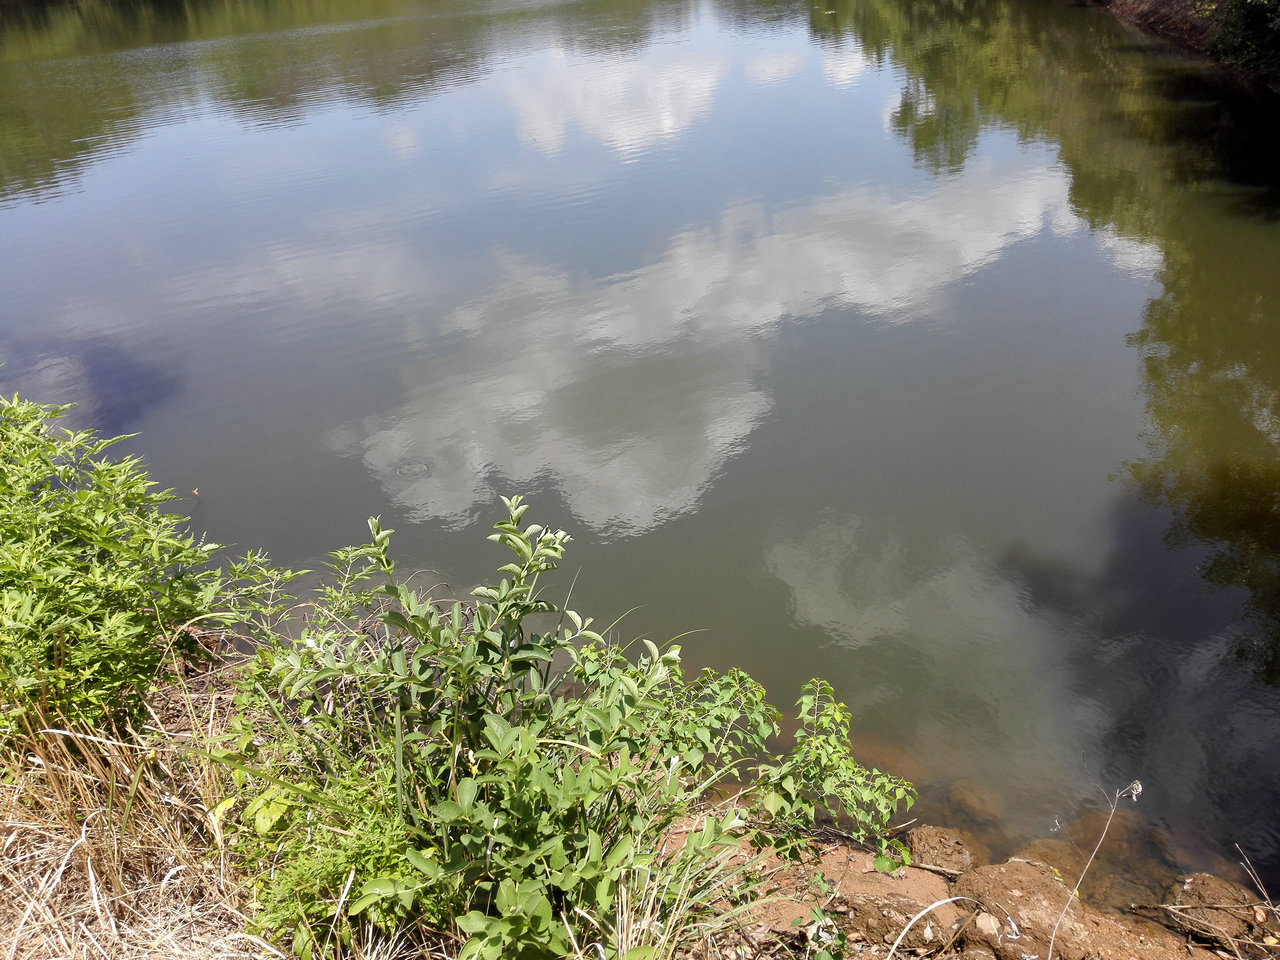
x,y
110,848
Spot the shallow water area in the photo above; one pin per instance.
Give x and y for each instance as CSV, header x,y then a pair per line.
x,y
932,351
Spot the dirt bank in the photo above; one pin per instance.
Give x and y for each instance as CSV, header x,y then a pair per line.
x,y
1177,20
1241,38
1006,911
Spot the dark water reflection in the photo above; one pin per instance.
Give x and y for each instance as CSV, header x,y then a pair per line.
x,y
928,347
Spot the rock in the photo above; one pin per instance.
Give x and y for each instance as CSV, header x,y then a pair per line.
x,y
1210,907
1023,901
1060,855
955,851
880,917
987,926
975,802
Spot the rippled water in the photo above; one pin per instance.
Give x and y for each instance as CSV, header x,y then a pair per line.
x,y
930,349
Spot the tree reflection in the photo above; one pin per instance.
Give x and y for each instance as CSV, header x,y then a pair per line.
x,y
1210,343
1211,357
65,100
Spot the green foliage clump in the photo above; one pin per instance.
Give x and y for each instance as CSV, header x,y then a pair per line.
x,y
437,770
95,580
1246,33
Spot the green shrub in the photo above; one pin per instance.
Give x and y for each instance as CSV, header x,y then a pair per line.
x,y
95,580
432,769
1246,33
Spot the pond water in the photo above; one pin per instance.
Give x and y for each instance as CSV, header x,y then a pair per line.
x,y
930,348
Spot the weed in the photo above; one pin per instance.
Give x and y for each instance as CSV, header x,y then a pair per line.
x,y
97,583
430,768
109,847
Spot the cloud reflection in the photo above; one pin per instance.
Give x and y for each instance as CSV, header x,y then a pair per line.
x,y
628,103
955,634
844,63
633,391
774,67
553,409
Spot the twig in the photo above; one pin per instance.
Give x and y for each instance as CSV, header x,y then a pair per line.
x,y
964,925
941,871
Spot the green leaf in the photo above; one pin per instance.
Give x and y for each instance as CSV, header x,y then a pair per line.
x,y
423,861
467,788
473,922
362,904
448,811
380,886
620,853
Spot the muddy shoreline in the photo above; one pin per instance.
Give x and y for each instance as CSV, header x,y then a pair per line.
x,y
954,903
998,894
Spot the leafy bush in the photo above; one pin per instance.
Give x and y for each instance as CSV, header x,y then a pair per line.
x,y
1246,33
95,580
432,769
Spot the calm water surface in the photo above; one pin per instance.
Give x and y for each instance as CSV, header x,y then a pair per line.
x,y
934,349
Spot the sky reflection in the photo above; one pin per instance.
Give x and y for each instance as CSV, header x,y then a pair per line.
x,y
696,320
511,346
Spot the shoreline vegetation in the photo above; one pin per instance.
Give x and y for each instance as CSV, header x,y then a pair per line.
x,y
392,775
1242,36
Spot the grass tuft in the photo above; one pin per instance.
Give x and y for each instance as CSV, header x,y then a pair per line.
x,y
110,848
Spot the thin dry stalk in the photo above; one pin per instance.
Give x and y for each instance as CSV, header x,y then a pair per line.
x,y
921,915
1132,791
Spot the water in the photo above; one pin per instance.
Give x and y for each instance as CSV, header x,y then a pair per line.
x,y
929,349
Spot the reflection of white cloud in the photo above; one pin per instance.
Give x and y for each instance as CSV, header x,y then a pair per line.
x,y
628,104
543,370
889,113
552,409
371,273
773,67
1135,257
980,662
402,141
845,63
862,586
885,256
